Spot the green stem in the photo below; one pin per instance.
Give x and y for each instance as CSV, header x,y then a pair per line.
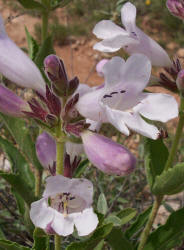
x,y
177,137
57,240
168,165
149,224
45,18
38,180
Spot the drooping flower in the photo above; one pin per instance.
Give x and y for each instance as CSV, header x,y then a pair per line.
x,y
122,101
65,203
11,104
176,7
107,155
131,39
17,66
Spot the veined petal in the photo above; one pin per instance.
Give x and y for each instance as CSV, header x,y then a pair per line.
x,y
17,66
86,222
41,214
101,47
112,71
60,184
136,73
147,46
158,107
107,29
128,16
62,225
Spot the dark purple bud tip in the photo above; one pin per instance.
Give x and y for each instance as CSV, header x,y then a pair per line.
x,y
73,85
176,7
180,81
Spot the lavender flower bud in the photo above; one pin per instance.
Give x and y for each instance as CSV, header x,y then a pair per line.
x,y
11,104
110,157
176,7
46,151
180,81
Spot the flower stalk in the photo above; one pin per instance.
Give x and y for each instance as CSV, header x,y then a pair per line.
x,y
158,199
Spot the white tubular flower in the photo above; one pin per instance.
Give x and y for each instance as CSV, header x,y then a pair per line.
x,y
122,101
17,66
65,203
131,39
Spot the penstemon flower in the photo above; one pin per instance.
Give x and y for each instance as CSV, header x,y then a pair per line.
x,y
107,155
176,7
131,39
65,203
122,101
17,66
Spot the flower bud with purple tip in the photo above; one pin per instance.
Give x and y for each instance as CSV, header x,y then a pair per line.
x,y
107,155
46,152
11,104
55,70
176,7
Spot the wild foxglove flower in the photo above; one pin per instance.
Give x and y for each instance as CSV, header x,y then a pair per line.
x,y
11,104
176,7
122,101
17,66
131,39
107,155
65,203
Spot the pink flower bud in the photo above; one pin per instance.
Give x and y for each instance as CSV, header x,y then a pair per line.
x,y
107,155
46,151
176,7
180,81
11,104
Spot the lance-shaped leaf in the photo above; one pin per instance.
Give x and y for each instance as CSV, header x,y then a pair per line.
x,y
93,241
117,240
156,157
20,186
59,3
102,204
18,162
31,4
41,240
32,45
10,245
170,181
169,235
21,134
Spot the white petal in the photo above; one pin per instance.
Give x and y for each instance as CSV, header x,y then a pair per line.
x,y
107,29
101,47
128,16
119,41
40,214
150,48
86,222
114,117
17,66
79,187
112,71
159,107
94,126
136,73
74,149
83,89
88,105
99,66
62,225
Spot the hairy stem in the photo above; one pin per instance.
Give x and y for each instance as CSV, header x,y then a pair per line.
x,y
172,155
57,240
45,17
38,181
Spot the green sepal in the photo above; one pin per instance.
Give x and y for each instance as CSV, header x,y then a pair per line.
x,y
31,4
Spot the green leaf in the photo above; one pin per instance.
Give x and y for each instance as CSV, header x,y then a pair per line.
x,y
114,220
168,235
137,225
10,245
126,215
170,181
31,4
19,185
117,240
32,45
18,162
156,157
102,204
41,240
81,168
100,245
93,241
45,50
21,134
2,236
59,3
19,201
